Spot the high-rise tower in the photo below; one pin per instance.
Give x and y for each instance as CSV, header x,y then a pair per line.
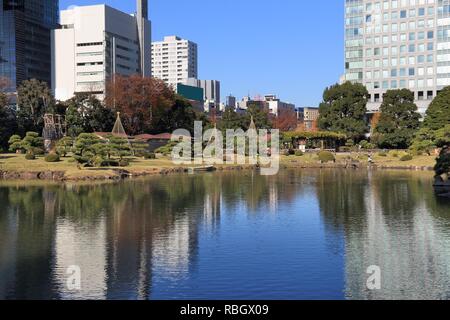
x,y
94,44
395,44
25,39
144,33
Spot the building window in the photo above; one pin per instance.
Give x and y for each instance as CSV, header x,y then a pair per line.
x,y
420,97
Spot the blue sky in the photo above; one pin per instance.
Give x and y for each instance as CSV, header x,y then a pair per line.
x,y
292,48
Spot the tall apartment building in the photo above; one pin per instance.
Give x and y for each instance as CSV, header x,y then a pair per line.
x,y
96,42
25,39
393,44
174,60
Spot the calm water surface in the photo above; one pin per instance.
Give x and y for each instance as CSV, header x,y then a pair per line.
x,y
298,235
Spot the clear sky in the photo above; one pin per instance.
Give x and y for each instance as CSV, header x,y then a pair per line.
x,y
292,48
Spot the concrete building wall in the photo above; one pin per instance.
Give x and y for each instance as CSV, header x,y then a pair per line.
x,y
94,43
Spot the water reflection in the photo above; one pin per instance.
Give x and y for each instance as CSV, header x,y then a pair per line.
x,y
301,234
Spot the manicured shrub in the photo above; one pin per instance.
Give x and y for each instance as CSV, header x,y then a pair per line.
x,y
124,163
38,151
382,154
291,152
350,143
64,146
101,162
32,142
299,153
326,156
167,149
149,155
52,157
15,144
109,163
406,157
30,155
366,145
394,154
98,161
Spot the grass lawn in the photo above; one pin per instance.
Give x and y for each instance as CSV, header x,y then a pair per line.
x,y
18,163
139,166
388,161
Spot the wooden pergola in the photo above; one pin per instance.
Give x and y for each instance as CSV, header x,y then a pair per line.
x,y
320,139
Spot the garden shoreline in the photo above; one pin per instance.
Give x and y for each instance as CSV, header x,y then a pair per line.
x,y
117,174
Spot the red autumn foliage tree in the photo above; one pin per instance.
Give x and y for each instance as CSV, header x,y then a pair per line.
x,y
286,120
142,102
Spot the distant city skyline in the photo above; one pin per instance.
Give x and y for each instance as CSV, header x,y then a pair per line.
x,y
293,49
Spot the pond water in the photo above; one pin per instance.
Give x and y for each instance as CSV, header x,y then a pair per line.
x,y
303,234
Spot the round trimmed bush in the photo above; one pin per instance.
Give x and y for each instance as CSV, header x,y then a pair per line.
x,y
30,155
124,163
38,151
406,157
299,153
149,155
326,156
52,157
382,154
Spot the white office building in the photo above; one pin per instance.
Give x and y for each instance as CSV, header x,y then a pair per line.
x,y
174,60
94,43
394,44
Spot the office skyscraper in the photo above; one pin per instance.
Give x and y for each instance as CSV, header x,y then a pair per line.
x,y
393,44
96,42
25,39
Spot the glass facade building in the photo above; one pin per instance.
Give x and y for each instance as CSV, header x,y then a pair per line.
x,y
394,44
25,50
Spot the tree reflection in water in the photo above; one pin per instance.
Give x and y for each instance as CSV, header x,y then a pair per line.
x,y
122,235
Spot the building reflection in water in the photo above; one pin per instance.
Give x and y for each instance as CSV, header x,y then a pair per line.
x,y
83,246
390,224
132,238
